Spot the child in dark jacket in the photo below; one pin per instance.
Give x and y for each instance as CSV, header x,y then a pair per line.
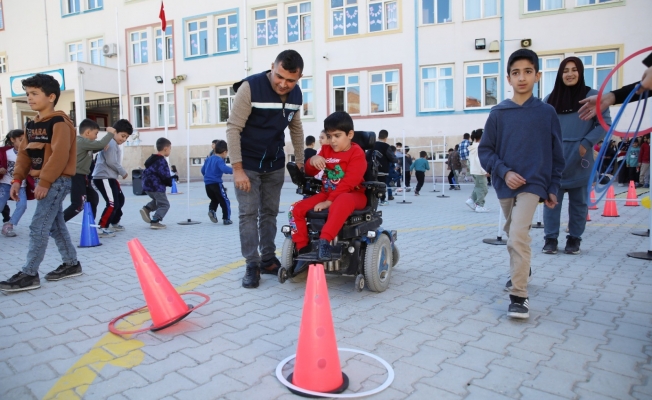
x,y
156,177
213,169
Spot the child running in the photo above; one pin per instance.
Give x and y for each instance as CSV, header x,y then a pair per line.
x,y
420,167
156,177
213,169
8,155
480,190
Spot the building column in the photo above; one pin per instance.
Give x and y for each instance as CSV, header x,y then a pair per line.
x,y
80,98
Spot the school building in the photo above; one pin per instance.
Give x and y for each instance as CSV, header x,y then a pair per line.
x,y
426,69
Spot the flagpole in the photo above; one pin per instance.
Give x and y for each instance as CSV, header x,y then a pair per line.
x,y
117,41
164,43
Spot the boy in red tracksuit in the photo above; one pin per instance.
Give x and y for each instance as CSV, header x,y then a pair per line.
x,y
343,164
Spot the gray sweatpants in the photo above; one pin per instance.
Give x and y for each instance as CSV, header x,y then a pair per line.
x,y
160,204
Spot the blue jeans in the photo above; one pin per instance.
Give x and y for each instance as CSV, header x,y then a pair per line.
x,y
48,219
577,209
20,207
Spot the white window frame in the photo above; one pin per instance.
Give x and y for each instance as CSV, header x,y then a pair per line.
x,y
547,73
386,85
384,20
483,9
230,97
483,89
99,4
435,17
197,33
268,18
76,54
72,6
344,9
3,64
143,110
596,68
139,42
577,2
307,85
202,104
347,86
168,50
229,27
96,45
542,6
160,110
437,81
302,17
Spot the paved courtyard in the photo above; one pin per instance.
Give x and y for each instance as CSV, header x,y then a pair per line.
x,y
441,324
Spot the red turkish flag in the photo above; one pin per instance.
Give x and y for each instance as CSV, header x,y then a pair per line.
x,y
161,15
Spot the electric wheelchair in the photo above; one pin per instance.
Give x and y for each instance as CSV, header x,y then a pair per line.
x,y
362,248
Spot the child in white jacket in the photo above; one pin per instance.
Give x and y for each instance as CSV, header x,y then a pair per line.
x,y
476,201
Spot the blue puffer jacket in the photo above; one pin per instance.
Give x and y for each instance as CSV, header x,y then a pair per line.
x,y
156,175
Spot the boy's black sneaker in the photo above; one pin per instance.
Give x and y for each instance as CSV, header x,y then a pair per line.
x,y
324,250
572,245
19,282
508,285
520,307
550,247
64,271
251,280
227,222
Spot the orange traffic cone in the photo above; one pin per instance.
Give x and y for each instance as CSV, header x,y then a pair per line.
x,y
610,209
588,216
317,367
632,197
594,206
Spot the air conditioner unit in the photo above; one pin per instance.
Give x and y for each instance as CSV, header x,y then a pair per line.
x,y
110,50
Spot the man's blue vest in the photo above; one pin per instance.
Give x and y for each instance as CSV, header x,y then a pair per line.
x,y
263,137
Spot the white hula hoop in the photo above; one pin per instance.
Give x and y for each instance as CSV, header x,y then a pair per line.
x,y
385,385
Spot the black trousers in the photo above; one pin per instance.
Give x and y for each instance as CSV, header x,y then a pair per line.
x,y
407,177
80,192
115,200
217,193
6,214
451,175
421,177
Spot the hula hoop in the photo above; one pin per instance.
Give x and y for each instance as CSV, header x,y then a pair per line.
x,y
385,385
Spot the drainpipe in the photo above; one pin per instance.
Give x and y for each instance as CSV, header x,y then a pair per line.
x,y
245,40
502,50
47,35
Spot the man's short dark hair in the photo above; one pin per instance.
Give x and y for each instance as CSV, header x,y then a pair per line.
x,y
122,125
406,149
46,83
221,147
338,121
466,136
290,60
399,144
88,124
310,140
162,143
383,134
523,54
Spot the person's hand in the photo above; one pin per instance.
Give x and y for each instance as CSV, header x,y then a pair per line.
x,y
13,192
241,180
39,192
582,151
514,180
3,171
111,129
125,175
646,81
587,111
323,205
552,201
318,162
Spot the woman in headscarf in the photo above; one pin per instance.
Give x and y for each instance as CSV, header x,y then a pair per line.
x,y
578,139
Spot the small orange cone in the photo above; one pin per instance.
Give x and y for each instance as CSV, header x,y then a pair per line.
x,y
594,206
632,197
610,209
317,367
588,216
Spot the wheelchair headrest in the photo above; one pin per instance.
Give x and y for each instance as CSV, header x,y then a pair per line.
x,y
364,139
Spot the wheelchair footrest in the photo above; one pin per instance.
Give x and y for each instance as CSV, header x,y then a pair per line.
x,y
336,252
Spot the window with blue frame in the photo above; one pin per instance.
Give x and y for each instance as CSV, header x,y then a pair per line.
x,y
76,51
548,67
139,53
96,51
437,88
383,15
543,5
227,32
308,97
481,84
436,11
71,6
344,17
95,4
299,22
266,21
197,39
164,43
597,66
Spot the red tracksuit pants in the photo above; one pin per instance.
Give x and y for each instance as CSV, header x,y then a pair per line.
x,y
342,207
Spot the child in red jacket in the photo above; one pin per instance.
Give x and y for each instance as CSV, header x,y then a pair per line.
x,y
343,164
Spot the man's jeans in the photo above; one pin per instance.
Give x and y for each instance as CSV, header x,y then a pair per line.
x,y
257,211
21,206
577,210
48,218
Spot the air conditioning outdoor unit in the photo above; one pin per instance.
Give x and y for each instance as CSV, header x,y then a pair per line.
x,y
110,50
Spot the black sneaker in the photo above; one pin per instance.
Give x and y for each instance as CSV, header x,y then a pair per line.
x,y
212,216
390,198
519,307
270,267
324,250
64,271
227,222
508,285
251,280
550,247
572,245
20,282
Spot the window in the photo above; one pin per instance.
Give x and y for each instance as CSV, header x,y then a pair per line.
x,y
589,2
548,66
200,102
225,97
71,6
384,92
346,93
227,33
198,38
94,4
383,15
299,21
308,97
543,5
476,9
344,17
596,68
481,84
437,88
2,16
266,26
436,11
161,47
141,111
97,55
3,64
139,47
76,51
161,109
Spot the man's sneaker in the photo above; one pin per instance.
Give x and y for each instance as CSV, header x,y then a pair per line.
x,y
451,188
20,282
471,204
384,203
519,308
157,225
481,209
572,245
212,216
117,227
416,193
64,271
390,198
508,285
227,222
105,233
251,280
144,213
550,247
8,230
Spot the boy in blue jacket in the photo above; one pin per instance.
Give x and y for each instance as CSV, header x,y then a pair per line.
x,y
521,149
156,177
213,169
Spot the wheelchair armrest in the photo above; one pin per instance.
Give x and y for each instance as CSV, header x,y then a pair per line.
x,y
374,186
298,176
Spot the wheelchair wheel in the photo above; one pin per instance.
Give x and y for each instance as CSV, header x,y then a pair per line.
x,y
396,255
287,261
378,264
